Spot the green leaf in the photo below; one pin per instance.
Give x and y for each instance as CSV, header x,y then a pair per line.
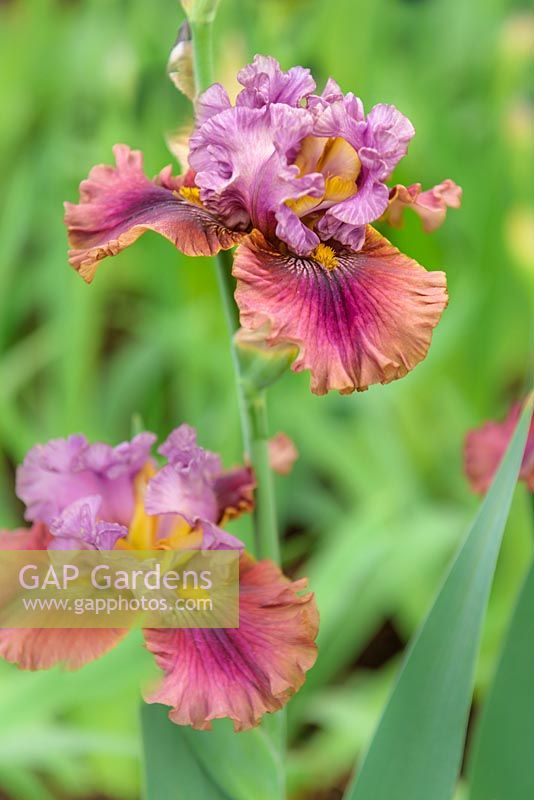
x,y
181,763
417,749
172,769
501,765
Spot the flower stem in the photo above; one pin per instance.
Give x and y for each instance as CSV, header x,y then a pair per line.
x,y
267,544
252,404
201,33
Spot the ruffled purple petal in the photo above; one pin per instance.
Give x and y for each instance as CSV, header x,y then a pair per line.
x,y
63,471
77,528
194,487
118,204
380,140
181,450
330,94
215,538
186,486
388,133
242,158
357,318
291,230
351,235
266,83
211,102
176,490
346,222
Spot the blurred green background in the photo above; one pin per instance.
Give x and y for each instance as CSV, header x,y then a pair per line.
x,y
377,501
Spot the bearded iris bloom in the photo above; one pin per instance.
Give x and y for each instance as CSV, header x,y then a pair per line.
x,y
93,496
294,179
485,447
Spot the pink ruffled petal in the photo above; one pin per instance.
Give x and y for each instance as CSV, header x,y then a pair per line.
x,y
431,205
242,162
42,648
211,102
177,491
266,83
118,204
485,447
357,318
77,527
62,471
245,672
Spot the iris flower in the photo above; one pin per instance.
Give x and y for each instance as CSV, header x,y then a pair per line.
x,y
93,496
294,179
485,446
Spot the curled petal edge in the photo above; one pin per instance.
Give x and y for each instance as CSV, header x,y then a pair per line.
x,y
118,204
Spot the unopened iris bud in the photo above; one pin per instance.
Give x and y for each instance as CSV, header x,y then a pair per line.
x,y
200,10
180,63
261,363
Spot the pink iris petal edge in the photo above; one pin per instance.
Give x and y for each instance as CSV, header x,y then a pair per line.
x,y
367,320
36,649
239,673
118,204
431,205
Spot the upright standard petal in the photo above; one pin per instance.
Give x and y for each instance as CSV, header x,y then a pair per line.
x,y
63,471
242,157
194,484
211,102
118,204
485,447
245,672
174,490
266,83
431,205
357,318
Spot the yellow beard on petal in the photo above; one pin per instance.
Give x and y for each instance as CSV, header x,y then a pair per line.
x,y
325,256
191,194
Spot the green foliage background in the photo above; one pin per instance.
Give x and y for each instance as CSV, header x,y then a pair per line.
x,y
377,501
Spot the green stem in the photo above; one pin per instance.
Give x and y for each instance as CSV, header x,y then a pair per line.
x,y
251,400
201,33
252,404
267,543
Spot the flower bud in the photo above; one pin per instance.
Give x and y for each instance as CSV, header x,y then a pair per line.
x,y
180,63
261,364
200,10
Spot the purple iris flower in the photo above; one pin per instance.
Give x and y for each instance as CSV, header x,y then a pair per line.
x,y
295,179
